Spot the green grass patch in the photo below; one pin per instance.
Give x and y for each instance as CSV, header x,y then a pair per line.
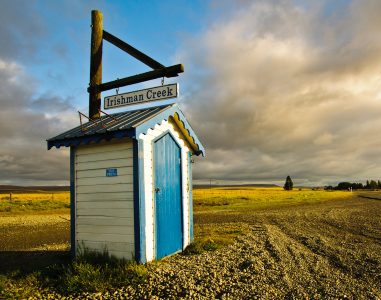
x,y
90,272
210,237
199,246
17,286
3,283
95,272
24,206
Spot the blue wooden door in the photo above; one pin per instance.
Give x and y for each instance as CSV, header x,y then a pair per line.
x,y
167,168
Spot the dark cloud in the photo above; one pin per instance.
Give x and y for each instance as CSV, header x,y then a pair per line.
x,y
25,124
30,113
285,90
51,103
276,89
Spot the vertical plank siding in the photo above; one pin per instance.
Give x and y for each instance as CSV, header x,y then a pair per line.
x,y
168,196
104,206
147,140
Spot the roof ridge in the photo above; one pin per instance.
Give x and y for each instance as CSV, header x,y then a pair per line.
x,y
164,108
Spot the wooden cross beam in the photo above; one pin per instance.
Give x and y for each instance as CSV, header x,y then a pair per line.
x,y
131,50
171,71
96,86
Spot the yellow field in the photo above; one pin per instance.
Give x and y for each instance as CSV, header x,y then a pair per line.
x,y
58,196
253,198
204,199
17,203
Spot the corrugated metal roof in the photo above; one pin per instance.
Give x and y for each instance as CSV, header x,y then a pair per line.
x,y
125,124
107,124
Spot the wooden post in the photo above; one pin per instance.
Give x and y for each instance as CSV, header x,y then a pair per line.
x,y
95,63
10,196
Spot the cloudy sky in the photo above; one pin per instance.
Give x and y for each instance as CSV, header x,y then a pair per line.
x,y
272,88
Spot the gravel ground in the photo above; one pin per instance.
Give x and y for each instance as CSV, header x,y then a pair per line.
x,y
34,220
265,264
42,231
326,251
30,242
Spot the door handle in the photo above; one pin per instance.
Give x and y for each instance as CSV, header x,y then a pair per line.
x,y
157,190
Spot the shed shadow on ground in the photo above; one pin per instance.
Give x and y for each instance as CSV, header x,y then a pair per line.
x,y
30,261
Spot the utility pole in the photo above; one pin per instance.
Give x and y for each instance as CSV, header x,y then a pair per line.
x,y
95,63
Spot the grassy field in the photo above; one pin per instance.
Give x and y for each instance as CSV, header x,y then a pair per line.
x,y
318,240
239,199
22,203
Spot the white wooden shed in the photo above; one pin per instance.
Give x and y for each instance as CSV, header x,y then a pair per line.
x,y
131,183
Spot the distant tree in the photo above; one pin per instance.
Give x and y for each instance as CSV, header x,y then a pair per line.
x,y
367,186
373,185
288,185
344,185
357,186
379,184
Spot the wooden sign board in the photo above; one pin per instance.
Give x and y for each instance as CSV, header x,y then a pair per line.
x,y
137,97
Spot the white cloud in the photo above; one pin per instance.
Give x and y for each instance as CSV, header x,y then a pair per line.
x,y
25,127
294,85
